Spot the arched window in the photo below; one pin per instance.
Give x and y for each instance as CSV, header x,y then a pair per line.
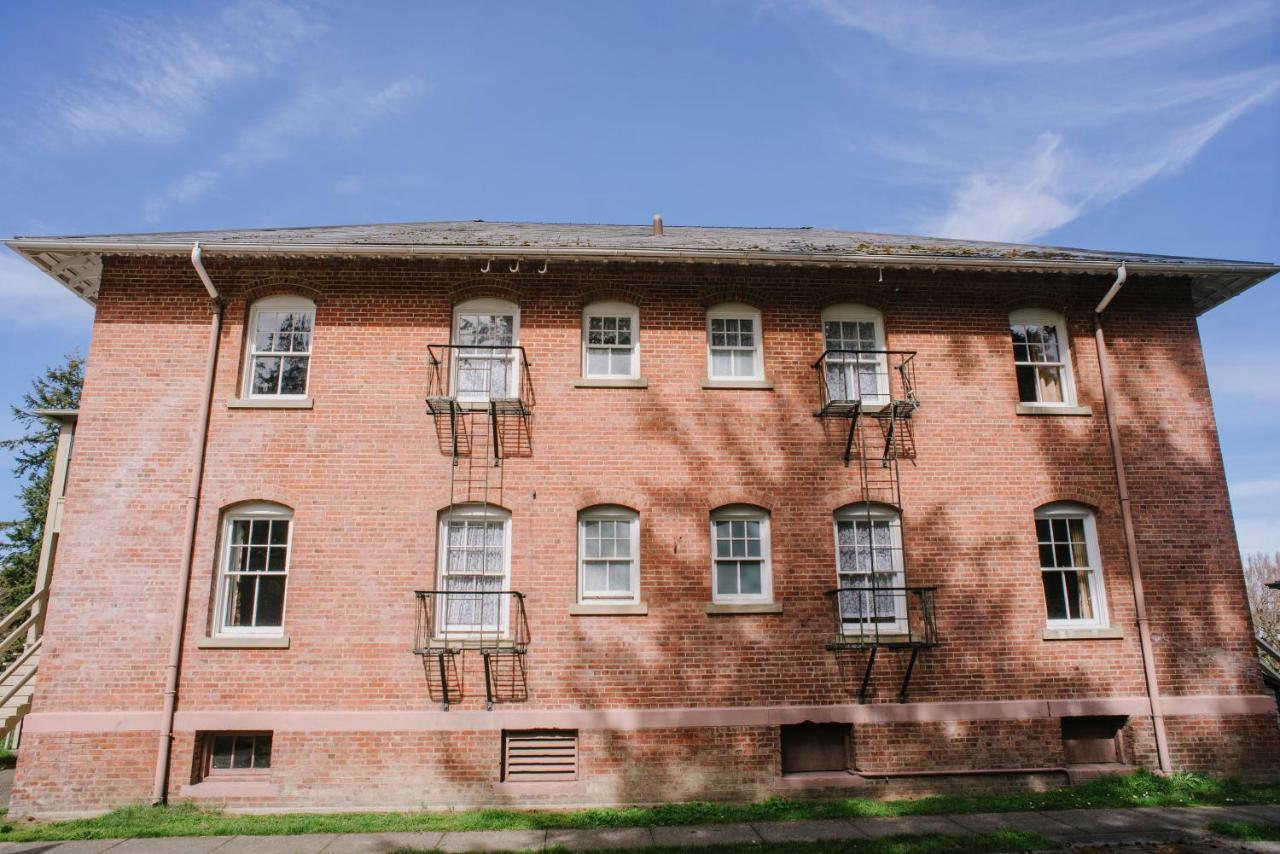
x,y
734,345
856,366
740,564
609,555
253,568
278,349
1042,357
869,566
475,566
486,333
1070,565
611,341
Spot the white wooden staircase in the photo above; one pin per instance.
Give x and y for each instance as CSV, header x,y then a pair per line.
x,y
20,652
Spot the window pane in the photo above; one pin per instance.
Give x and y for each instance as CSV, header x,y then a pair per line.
x,y
597,361
277,559
1054,597
1046,554
257,561
749,572
221,751
266,374
743,363
721,363
239,609
619,576
293,379
270,601
262,751
620,362
1042,530
1050,384
595,578
726,578
1027,384
242,753
1071,580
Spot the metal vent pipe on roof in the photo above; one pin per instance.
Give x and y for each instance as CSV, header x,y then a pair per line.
x,y
657,225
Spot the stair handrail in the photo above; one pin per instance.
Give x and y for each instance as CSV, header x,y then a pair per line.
x,y
27,603
26,677
19,661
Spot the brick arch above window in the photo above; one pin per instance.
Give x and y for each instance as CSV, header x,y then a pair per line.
x,y
610,293
713,295
276,287
491,287
631,499
720,498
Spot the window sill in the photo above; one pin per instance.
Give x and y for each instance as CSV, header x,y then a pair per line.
x,y
1045,409
268,403
1083,633
247,642
766,385
744,607
241,788
611,382
582,609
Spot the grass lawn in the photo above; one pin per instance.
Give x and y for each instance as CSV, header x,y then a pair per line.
x,y
1137,790
1247,830
977,843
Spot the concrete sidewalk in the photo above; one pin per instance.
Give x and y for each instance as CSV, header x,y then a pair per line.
x,y
1116,826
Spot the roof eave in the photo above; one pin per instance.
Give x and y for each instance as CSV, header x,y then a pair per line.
x,y
77,264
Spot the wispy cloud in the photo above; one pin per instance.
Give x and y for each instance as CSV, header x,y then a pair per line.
x,y
30,298
158,76
1046,112
317,112
1041,33
1256,488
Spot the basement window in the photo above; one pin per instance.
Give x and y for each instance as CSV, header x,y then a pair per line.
x,y
1092,740
809,748
236,753
539,755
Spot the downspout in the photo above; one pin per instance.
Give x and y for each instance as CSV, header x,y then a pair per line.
x,y
1130,537
159,793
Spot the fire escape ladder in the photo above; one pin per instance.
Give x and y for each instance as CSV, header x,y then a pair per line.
x,y
874,390
480,398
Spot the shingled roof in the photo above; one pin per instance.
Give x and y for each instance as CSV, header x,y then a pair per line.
x,y
76,261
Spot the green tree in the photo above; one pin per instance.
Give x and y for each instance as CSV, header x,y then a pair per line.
x,y
58,388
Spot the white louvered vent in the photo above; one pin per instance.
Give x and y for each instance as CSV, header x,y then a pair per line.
x,y
530,756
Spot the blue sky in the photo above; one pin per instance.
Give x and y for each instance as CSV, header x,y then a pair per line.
x,y
1138,127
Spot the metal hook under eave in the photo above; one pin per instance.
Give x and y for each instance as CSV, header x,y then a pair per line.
x,y
545,262
882,275
487,265
516,267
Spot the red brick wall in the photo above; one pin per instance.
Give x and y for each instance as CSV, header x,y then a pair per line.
x,y
365,477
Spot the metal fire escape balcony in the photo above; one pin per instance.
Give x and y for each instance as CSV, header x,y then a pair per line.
x,y
465,380
870,384
874,618
489,622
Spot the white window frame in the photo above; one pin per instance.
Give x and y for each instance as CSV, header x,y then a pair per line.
x,y
861,513
1097,589
286,302
493,307
608,513
854,313
476,513
737,311
612,309
256,511
1045,317
744,512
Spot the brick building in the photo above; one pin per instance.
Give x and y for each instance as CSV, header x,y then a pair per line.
x,y
473,513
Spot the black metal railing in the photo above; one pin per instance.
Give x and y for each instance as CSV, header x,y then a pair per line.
x,y
479,373
485,620
869,616
870,380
